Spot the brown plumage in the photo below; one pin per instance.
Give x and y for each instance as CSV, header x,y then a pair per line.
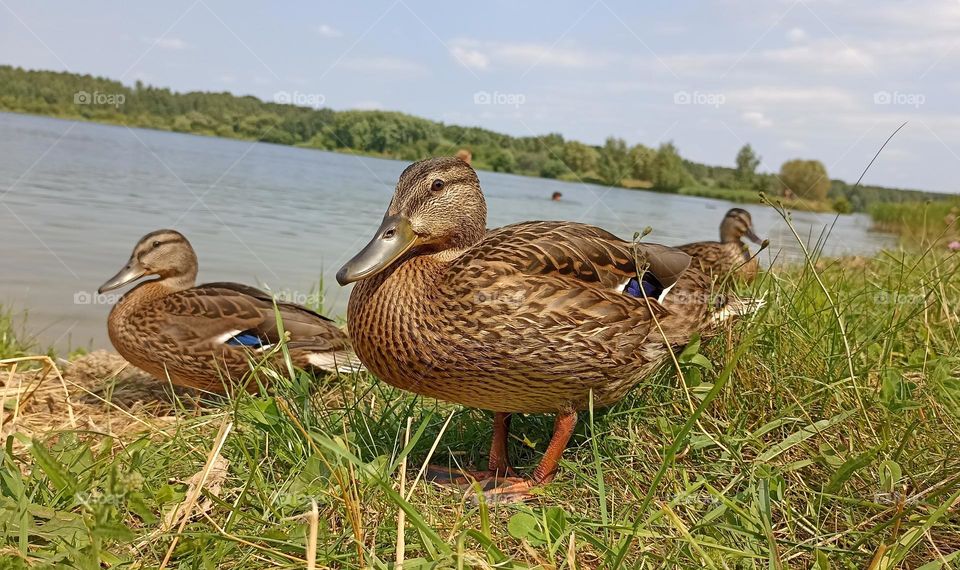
x,y
729,257
530,317
206,336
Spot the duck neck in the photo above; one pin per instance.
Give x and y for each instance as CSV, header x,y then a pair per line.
x,y
727,236
409,282
741,248
144,293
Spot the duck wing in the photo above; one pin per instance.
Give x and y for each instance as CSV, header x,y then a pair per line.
x,y
582,257
305,327
235,315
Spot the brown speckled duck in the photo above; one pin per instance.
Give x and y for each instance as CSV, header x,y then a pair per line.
x,y
205,336
530,317
729,256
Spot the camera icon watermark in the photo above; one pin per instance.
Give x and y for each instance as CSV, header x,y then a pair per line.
x,y
914,100
97,98
88,298
714,100
514,100
300,99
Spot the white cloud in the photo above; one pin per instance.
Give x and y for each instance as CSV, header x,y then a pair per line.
x,y
383,65
829,55
756,119
547,56
483,55
327,31
926,17
796,34
471,58
167,43
785,96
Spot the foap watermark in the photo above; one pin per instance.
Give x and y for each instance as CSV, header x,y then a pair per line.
x,y
894,498
88,298
714,100
300,99
899,298
99,98
497,98
312,299
506,299
900,98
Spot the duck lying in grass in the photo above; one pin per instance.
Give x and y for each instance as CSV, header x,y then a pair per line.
x,y
202,336
729,257
531,317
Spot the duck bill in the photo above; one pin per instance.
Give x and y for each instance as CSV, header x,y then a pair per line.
x,y
753,236
130,272
394,237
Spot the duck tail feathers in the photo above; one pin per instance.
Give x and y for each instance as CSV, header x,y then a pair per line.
x,y
735,306
342,361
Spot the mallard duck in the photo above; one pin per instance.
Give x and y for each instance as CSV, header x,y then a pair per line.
x,y
729,256
532,317
202,336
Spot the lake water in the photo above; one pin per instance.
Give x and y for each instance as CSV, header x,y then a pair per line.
x,y
75,197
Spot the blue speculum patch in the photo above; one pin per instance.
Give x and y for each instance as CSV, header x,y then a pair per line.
x,y
646,286
246,338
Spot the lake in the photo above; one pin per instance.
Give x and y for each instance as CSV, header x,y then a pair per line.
x,y
75,197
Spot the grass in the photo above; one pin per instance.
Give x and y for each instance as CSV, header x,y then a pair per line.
x,y
922,222
824,433
740,196
14,341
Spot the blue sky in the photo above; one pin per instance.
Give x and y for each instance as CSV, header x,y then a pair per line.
x,y
824,79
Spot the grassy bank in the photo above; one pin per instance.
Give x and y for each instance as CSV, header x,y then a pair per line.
x,y
14,341
919,221
753,197
829,437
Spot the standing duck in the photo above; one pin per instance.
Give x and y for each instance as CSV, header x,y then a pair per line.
x,y
203,336
531,317
729,256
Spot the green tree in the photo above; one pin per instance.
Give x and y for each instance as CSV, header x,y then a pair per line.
x,y
641,161
667,170
579,157
805,178
503,161
842,206
747,163
553,168
614,163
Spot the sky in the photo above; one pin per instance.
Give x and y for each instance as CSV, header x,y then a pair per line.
x,y
820,79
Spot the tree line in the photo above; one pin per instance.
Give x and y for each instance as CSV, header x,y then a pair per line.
x,y
405,137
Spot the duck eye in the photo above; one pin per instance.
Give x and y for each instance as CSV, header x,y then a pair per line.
x,y
437,185
156,244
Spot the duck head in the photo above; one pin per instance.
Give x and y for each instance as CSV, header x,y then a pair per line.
x,y
437,208
165,254
736,225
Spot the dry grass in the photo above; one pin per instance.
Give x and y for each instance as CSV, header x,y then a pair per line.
x,y
99,392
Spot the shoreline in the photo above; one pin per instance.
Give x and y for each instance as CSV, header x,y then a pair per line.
x,y
731,195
